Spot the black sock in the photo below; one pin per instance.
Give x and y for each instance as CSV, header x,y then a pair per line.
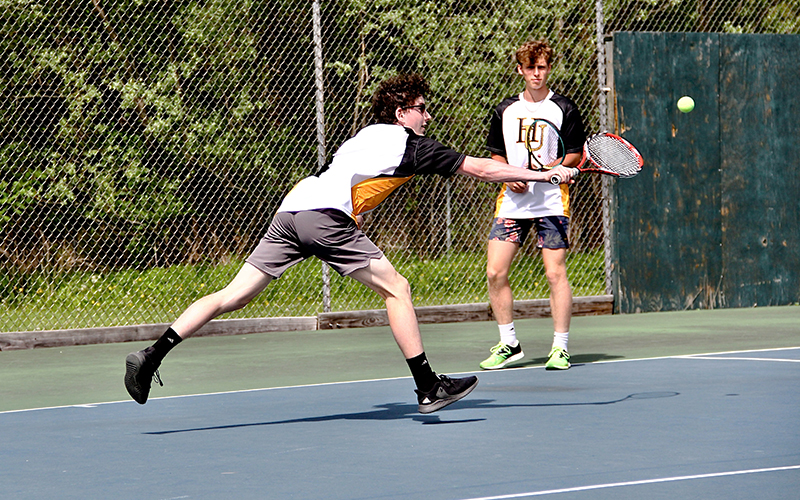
x,y
422,372
163,345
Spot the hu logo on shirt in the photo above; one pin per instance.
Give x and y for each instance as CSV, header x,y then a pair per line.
x,y
535,136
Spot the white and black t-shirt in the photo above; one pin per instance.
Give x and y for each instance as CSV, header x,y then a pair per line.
x,y
506,138
369,167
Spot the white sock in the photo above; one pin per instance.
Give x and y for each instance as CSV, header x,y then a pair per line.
x,y
560,339
508,335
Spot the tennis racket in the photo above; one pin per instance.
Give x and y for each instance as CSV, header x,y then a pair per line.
x,y
609,154
544,144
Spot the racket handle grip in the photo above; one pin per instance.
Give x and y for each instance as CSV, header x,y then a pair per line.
x,y
556,179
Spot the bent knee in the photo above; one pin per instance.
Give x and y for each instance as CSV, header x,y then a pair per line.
x,y
496,276
556,277
401,286
232,300
396,287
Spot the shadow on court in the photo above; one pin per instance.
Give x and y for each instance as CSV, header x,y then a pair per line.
x,y
400,411
389,411
574,360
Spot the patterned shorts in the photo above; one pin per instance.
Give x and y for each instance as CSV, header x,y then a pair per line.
x,y
552,230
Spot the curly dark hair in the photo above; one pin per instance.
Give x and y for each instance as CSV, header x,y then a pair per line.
x,y
397,92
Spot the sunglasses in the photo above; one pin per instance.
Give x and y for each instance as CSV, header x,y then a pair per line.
x,y
421,107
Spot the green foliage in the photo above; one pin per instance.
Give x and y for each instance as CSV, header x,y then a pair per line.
x,y
136,117
729,16
142,114
141,135
465,49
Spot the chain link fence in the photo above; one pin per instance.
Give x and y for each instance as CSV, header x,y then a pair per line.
x,y
146,143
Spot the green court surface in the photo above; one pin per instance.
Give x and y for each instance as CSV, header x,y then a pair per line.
x,y
93,374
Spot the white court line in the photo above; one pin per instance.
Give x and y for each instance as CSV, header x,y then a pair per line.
x,y
182,396
676,356
690,356
92,405
636,483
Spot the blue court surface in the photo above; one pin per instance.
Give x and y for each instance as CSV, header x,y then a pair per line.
x,y
711,426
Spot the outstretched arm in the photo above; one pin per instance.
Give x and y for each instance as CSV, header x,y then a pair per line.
x,y
488,170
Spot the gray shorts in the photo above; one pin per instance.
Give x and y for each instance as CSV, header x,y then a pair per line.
x,y
330,235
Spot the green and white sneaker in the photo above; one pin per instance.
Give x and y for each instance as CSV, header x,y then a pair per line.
x,y
558,359
502,355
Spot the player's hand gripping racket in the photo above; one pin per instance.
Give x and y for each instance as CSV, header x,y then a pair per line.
x,y
609,154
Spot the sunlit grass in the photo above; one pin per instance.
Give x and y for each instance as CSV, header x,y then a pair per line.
x,y
159,295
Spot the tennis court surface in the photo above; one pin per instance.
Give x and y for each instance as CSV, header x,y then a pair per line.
x,y
697,404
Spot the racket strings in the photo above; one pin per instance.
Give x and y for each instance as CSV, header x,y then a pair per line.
x,y
614,156
550,140
543,142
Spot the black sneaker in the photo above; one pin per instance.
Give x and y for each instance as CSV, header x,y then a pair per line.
x,y
140,371
447,390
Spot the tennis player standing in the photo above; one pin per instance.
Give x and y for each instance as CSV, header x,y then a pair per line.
x,y
319,218
522,206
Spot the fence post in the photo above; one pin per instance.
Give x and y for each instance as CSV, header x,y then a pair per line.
x,y
601,65
603,89
321,153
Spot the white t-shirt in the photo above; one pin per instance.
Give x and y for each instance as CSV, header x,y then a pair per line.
x,y
369,167
507,130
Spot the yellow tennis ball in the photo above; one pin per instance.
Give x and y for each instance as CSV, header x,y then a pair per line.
x,y
686,104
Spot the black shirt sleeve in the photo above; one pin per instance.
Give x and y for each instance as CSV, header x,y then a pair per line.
x,y
431,157
494,141
572,129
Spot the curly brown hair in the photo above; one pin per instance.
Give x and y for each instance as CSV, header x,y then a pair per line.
x,y
397,92
532,50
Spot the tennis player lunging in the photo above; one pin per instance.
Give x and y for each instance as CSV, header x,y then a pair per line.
x,y
521,205
318,217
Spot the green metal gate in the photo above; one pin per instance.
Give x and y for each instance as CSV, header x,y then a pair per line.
x,y
712,220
